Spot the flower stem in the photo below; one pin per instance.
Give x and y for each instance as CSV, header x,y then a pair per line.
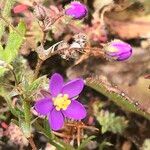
x,y
15,77
32,144
78,135
27,121
26,106
37,69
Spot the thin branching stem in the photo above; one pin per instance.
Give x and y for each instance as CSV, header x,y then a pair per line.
x,y
37,69
15,77
32,144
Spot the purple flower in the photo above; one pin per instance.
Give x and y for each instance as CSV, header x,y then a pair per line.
x,y
62,103
118,50
76,10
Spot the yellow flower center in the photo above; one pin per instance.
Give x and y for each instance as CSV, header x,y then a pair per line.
x,y
61,102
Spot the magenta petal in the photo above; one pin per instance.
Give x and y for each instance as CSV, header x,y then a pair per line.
x,y
43,106
75,111
56,84
73,88
124,56
56,119
77,10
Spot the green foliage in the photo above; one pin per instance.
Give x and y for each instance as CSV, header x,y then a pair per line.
x,y
2,69
85,142
110,122
36,84
25,128
6,13
23,72
25,124
1,48
104,144
15,112
114,94
13,44
59,144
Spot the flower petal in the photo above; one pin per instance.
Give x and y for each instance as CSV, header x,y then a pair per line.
x,y
124,56
76,10
43,106
56,84
45,93
73,88
75,111
56,119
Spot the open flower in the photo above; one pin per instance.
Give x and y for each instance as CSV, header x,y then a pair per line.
x,y
118,50
62,103
76,10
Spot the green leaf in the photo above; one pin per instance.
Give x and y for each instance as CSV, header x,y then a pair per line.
x,y
25,128
47,127
3,117
1,48
110,122
117,96
11,108
14,121
85,142
14,42
2,71
36,84
104,144
5,13
59,144
25,123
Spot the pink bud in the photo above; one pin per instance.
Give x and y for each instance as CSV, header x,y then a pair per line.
x,y
76,10
20,8
118,50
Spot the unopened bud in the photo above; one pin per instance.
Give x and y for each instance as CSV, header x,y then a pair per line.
x,y
76,10
118,50
40,12
20,8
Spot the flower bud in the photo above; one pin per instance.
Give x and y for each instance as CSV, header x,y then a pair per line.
x,y
40,11
20,8
76,10
118,50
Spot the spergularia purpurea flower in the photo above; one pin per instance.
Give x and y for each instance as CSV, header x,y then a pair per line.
x,y
62,103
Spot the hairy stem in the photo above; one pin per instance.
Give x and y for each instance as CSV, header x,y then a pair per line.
x,y
37,69
15,77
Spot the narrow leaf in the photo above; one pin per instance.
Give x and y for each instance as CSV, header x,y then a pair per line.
x,y
117,96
